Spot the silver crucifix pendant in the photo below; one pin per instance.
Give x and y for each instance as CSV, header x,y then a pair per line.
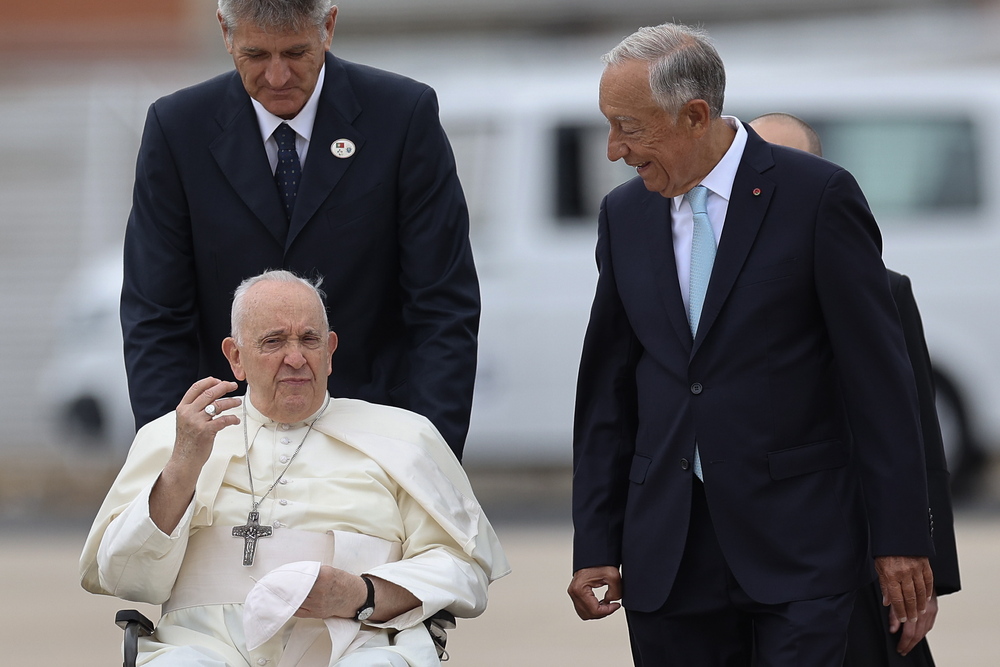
x,y
250,533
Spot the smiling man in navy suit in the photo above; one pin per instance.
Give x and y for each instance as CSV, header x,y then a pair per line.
x,y
366,196
746,419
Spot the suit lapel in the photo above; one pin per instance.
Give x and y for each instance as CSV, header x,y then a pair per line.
x,y
240,155
338,107
748,203
656,214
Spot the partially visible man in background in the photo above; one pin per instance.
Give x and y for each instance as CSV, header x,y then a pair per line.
x,y
871,640
785,129
303,161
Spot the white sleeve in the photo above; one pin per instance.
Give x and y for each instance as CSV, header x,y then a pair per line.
x,y
434,569
136,560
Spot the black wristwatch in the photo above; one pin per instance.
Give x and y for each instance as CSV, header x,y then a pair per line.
x,y
368,608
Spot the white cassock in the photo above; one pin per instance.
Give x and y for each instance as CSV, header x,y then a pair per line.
x,y
374,490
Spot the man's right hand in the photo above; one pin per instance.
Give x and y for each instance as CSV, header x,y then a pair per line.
x,y
195,437
196,429
581,590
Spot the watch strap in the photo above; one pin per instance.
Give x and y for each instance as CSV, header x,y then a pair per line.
x,y
365,611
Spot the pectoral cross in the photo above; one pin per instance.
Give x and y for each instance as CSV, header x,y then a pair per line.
x,y
251,532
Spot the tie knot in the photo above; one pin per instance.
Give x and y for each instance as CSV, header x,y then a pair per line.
x,y
285,136
697,197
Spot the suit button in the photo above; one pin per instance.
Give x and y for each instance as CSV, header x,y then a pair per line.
x,y
685,464
696,388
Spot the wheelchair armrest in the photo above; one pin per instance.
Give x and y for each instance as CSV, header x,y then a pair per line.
x,y
135,625
438,626
126,616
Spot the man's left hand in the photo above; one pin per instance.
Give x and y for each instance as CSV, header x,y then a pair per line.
x,y
907,584
913,632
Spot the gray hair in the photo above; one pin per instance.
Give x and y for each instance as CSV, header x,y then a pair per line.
x,y
276,14
238,315
683,65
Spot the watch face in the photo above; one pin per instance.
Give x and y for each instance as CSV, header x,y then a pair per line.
x,y
365,614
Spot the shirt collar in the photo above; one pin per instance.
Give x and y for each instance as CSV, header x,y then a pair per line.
x,y
303,121
258,416
720,179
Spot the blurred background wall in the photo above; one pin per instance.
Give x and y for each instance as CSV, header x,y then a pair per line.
x,y
78,75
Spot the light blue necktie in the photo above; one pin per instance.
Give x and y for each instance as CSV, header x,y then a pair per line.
x,y
702,259
702,254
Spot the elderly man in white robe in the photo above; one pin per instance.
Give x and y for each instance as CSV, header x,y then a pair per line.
x,y
285,527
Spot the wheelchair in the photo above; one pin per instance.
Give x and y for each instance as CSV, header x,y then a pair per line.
x,y
136,625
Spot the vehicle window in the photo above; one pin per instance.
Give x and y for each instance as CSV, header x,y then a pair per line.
x,y
908,167
583,174
473,144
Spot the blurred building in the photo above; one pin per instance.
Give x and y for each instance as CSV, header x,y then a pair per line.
x,y
78,76
103,28
100,28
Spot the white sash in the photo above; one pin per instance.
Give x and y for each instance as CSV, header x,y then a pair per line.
x,y
213,573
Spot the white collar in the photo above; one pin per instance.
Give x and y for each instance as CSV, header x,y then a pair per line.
x,y
257,415
720,179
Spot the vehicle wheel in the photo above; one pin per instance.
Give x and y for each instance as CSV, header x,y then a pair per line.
x,y
83,422
959,450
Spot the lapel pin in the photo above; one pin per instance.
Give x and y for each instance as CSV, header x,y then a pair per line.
x,y
342,148
756,192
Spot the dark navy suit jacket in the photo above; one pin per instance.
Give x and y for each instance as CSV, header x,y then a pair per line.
x,y
945,559
387,228
869,642
799,347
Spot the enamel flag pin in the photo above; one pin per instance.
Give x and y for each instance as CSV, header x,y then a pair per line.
x,y
342,148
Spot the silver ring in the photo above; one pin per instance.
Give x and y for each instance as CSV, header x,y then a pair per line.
x,y
210,409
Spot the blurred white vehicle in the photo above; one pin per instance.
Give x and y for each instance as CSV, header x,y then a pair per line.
x,y
85,379
531,150
926,167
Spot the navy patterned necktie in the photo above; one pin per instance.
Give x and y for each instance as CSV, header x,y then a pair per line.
x,y
289,171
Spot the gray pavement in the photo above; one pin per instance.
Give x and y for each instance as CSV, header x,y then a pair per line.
x,y
530,620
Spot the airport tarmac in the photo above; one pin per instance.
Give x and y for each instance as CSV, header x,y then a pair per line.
x,y
47,618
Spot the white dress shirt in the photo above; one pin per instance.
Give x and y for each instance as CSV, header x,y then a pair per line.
x,y
302,124
720,186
